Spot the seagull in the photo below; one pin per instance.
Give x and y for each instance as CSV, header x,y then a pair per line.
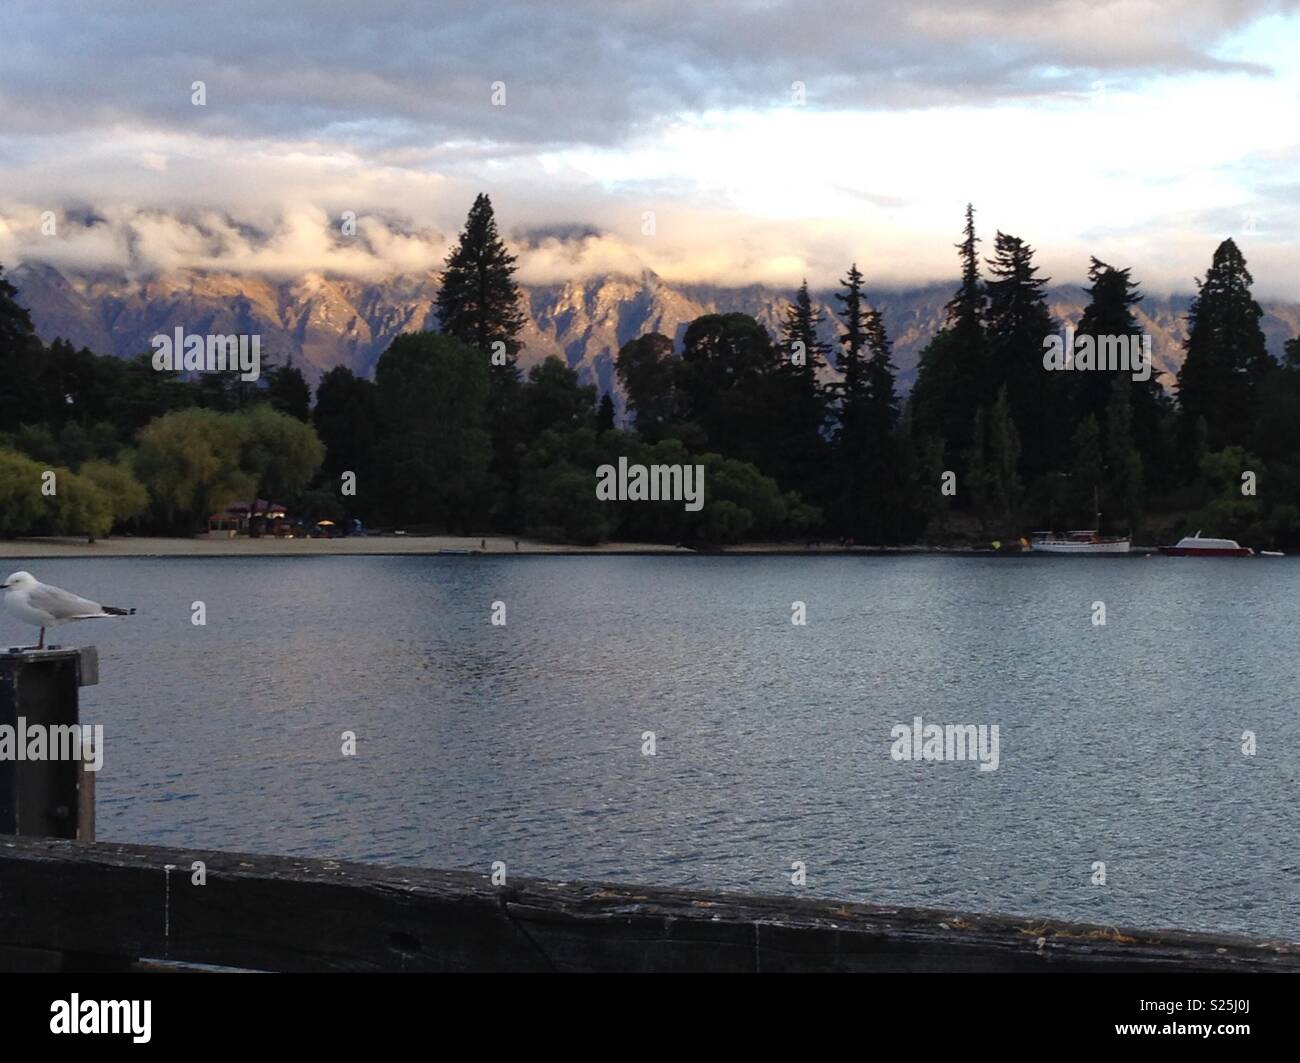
x,y
44,606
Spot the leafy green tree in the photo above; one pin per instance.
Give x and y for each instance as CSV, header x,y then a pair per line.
x,y
648,371
281,452
21,503
726,377
1228,511
555,400
189,461
557,489
349,423
433,395
739,502
127,497
81,507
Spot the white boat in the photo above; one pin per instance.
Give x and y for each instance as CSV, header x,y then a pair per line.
x,y
1079,542
1195,546
1088,541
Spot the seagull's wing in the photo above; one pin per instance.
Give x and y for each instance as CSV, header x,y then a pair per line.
x,y
61,604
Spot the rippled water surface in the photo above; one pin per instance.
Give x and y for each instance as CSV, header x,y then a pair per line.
x,y
522,743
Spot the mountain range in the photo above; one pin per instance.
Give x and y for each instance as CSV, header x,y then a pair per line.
x,y
317,323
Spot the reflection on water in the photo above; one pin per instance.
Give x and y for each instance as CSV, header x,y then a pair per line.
x,y
523,743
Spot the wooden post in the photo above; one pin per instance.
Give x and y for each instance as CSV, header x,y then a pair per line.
x,y
47,798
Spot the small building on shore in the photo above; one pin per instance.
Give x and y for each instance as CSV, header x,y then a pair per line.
x,y
256,518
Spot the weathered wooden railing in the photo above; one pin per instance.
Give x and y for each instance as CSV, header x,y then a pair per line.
x,y
130,902
70,902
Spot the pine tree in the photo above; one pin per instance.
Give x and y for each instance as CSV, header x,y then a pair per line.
x,y
288,391
967,308
22,398
1112,295
871,497
952,375
605,414
479,304
853,340
1087,472
479,301
1018,322
1123,461
1002,464
881,388
801,325
800,401
976,475
1227,357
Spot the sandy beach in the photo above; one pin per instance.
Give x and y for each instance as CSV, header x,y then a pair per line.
x,y
200,546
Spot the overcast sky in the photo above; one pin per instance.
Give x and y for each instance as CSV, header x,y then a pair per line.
x,y
1142,131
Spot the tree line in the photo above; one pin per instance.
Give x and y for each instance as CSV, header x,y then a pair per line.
x,y
800,438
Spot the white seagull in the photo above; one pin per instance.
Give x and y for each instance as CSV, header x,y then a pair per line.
x,y
44,606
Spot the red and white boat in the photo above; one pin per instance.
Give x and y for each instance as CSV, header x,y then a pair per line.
x,y
1195,546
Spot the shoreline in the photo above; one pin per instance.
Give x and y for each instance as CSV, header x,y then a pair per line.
x,y
451,545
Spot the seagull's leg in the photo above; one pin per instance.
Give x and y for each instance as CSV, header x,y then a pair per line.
x,y
41,645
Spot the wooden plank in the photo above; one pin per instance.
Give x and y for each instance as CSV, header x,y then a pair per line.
x,y
86,795
297,914
40,688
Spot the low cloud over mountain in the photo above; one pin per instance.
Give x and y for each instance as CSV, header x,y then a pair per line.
x,y
318,322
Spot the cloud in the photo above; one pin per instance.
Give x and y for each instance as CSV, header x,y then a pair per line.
x,y
403,73
1139,130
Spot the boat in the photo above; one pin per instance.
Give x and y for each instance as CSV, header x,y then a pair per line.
x,y
1088,541
1196,546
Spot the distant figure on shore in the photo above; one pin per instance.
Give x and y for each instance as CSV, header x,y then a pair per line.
x,y
44,606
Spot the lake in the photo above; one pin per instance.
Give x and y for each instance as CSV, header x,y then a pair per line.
x,y
1119,743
